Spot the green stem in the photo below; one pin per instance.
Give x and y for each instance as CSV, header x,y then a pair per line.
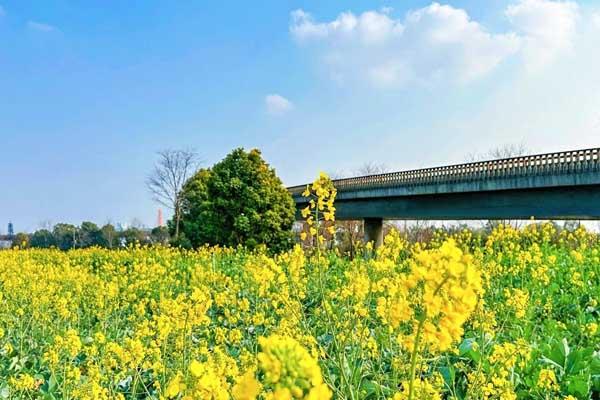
x,y
413,356
413,359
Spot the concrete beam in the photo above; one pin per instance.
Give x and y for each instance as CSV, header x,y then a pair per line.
x,y
373,228
574,202
517,183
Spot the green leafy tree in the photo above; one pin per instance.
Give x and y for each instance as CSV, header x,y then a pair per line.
x,y
194,204
42,238
21,240
133,235
240,200
66,236
159,235
90,235
109,236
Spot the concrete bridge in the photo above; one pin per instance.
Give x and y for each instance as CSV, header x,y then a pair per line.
x,y
564,185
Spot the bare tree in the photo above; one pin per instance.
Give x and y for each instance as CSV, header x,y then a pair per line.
x,y
497,153
352,232
46,224
371,168
171,171
137,223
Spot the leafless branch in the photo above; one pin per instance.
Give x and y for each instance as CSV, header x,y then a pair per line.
x,y
500,152
371,168
171,172
496,153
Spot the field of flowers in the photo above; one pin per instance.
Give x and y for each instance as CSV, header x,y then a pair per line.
x,y
512,315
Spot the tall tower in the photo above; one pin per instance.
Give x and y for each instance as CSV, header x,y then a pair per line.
x,y
160,218
11,229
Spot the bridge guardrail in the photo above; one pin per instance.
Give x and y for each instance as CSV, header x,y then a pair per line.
x,y
587,160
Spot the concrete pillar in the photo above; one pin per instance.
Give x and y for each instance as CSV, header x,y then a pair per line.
x,y
373,228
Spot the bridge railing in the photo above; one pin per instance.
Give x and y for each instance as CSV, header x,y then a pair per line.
x,y
564,162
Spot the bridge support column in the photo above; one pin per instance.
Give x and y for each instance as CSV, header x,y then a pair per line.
x,y
373,228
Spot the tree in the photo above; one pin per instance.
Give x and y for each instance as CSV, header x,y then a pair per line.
x,y
109,236
42,238
500,152
133,235
170,173
160,235
21,240
239,201
351,233
90,235
66,236
137,223
194,204
371,168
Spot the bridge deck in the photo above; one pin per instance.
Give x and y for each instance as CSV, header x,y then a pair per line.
x,y
566,162
553,185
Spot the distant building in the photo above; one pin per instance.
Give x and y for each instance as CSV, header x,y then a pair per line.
x,y
11,229
5,244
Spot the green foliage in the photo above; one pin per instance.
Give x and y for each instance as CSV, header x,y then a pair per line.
x,y
338,308
240,200
90,235
132,236
65,236
109,236
42,239
21,240
159,235
195,202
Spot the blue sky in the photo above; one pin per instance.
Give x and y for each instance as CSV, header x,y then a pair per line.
x,y
92,89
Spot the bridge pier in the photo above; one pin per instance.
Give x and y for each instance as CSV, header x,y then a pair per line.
x,y
373,228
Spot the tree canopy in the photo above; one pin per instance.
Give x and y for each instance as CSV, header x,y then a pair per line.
x,y
42,238
240,200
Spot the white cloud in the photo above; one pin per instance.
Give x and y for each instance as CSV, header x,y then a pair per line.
x,y
39,26
596,19
548,28
439,43
550,109
369,28
434,43
277,105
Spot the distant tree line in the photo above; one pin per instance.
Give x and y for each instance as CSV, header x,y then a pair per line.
x,y
67,236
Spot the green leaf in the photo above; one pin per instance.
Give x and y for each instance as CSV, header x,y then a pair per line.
x,y
579,386
449,374
49,385
369,388
469,348
558,354
595,365
578,361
